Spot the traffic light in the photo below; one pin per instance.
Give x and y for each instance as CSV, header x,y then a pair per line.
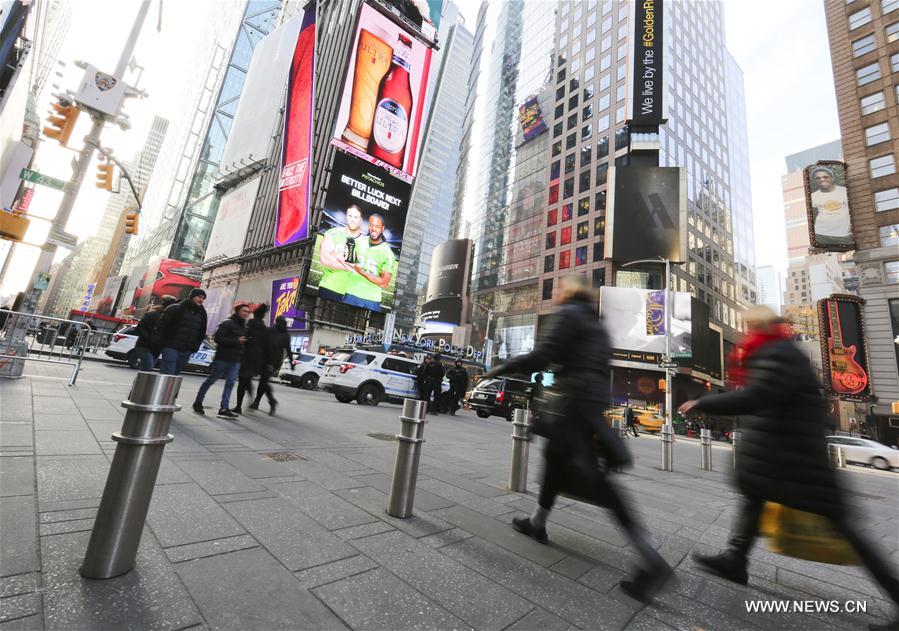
x,y
131,219
62,120
104,176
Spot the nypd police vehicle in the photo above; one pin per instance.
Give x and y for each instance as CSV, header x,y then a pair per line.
x,y
370,377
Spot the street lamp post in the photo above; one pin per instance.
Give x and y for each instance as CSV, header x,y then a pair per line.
x,y
488,343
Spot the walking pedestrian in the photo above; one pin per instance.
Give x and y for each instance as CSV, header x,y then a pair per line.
x,y
182,328
458,379
278,346
630,419
230,338
576,344
254,357
435,383
147,347
783,450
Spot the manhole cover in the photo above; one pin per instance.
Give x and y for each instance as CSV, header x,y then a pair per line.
x,y
379,436
282,456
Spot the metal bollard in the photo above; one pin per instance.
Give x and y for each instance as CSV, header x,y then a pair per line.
x,y
129,487
667,447
408,452
734,435
518,474
705,449
620,428
837,456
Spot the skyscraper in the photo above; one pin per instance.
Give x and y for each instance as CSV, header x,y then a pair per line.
x,y
865,60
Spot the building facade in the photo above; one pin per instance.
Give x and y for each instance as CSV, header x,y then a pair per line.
x,y
864,49
770,287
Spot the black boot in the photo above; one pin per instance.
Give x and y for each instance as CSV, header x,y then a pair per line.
x,y
646,584
729,564
526,526
272,405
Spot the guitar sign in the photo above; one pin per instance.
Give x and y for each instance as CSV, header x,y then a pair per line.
x,y
847,376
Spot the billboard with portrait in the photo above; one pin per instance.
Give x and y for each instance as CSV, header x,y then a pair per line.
x,y
827,202
384,95
292,219
645,213
635,321
285,293
360,235
844,352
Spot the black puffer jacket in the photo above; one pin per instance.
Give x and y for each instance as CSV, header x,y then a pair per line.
x,y
255,351
147,335
782,451
182,326
228,347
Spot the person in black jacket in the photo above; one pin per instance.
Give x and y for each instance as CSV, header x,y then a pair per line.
x,y
147,347
255,356
181,327
278,345
230,338
575,343
434,384
782,452
421,380
458,378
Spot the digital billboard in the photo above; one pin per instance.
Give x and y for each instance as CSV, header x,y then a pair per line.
x,y
292,223
447,282
285,293
635,321
644,215
843,349
647,87
531,118
384,94
360,235
231,221
827,203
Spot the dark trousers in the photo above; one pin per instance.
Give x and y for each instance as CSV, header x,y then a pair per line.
x,y
244,386
456,395
265,388
746,531
434,396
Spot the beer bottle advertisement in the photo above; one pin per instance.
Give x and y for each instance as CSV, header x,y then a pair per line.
x,y
384,95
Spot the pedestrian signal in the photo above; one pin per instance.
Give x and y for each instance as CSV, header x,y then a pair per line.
x,y
104,176
62,121
131,220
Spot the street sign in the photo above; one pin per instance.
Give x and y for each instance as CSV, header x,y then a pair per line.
x,y
668,365
688,354
44,180
62,239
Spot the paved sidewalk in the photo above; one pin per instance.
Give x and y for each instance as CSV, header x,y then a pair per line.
x,y
279,522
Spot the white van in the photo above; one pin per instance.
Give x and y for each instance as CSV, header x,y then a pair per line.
x,y
370,377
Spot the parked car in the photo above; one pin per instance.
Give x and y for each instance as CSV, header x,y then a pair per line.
x,y
121,346
370,377
499,397
867,452
307,370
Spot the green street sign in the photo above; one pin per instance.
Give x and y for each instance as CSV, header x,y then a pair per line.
x,y
44,180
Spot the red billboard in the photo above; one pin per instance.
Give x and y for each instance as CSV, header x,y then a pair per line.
x,y
292,222
843,349
384,95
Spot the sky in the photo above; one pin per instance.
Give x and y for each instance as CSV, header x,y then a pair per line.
x,y
790,106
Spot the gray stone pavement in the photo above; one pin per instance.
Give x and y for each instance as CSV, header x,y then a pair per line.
x,y
279,522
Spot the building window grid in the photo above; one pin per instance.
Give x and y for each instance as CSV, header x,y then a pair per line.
x,y
877,134
883,165
872,103
887,199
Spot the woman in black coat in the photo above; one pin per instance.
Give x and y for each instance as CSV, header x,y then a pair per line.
x,y
782,451
255,355
278,345
575,344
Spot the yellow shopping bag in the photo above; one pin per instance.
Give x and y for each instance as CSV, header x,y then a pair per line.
x,y
802,535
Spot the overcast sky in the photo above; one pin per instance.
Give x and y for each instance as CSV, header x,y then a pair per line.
x,y
784,54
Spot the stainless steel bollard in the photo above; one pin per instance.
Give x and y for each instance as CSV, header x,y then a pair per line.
x,y
620,428
667,447
129,487
408,453
705,449
837,456
734,436
518,474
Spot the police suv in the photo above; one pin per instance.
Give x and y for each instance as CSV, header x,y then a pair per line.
x,y
370,377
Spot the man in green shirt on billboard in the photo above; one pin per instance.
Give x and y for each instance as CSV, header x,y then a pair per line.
x,y
375,263
338,255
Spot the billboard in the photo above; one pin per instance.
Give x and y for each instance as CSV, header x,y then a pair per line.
x,y
843,349
360,234
645,213
292,213
384,93
531,118
707,343
218,304
285,293
108,299
447,282
635,321
827,203
647,87
165,277
231,221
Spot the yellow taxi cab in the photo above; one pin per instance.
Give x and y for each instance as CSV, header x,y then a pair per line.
x,y
647,420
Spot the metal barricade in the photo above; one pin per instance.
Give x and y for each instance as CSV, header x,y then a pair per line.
x,y
667,447
27,337
129,487
408,453
518,474
705,449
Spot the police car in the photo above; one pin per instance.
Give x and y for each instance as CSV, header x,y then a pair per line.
x,y
307,369
121,346
370,377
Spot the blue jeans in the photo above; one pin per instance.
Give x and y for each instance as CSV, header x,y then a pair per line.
x,y
173,361
356,301
146,359
218,369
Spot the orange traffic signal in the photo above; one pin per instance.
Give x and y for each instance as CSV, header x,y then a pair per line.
x,y
104,176
131,221
62,120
